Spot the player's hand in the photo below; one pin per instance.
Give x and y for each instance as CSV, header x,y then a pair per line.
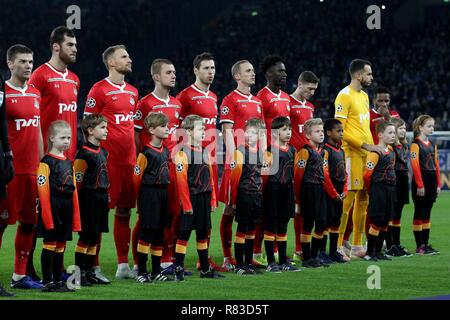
x,y
373,148
188,212
9,169
213,208
228,211
438,190
420,192
297,208
338,198
343,195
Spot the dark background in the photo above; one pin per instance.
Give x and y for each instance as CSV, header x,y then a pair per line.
x,y
410,53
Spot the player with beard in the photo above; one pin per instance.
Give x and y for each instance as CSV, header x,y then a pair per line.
x,y
352,109
276,103
116,100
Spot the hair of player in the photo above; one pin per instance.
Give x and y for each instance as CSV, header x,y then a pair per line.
x,y
155,68
270,61
330,124
382,126
204,56
57,35
311,123
91,121
155,119
110,51
397,122
420,121
357,65
236,68
382,90
190,121
308,77
280,122
255,123
55,127
16,49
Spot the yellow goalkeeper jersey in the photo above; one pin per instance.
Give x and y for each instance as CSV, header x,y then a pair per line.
x,y
353,110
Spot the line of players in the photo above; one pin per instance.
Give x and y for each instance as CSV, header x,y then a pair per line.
x,y
52,96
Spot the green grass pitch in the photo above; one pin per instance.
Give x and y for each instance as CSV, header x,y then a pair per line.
x,y
402,278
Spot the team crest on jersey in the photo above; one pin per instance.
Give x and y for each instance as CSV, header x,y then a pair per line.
x,y
288,108
138,115
79,176
132,101
413,155
90,103
179,167
4,215
370,165
177,115
259,109
41,180
356,182
339,108
301,163
75,91
225,110
36,103
137,170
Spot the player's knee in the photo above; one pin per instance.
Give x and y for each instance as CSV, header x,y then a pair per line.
x,y
3,227
26,228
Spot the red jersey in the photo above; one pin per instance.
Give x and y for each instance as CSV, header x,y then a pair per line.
x,y
274,105
376,118
170,107
22,116
301,111
117,103
204,104
237,108
59,94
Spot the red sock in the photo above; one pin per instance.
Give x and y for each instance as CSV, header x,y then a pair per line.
x,y
275,247
97,253
135,240
23,243
168,245
30,265
259,236
122,233
176,231
298,223
226,235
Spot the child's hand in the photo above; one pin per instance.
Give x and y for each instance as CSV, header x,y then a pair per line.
x,y
338,198
343,195
297,209
438,191
420,192
188,213
234,207
213,208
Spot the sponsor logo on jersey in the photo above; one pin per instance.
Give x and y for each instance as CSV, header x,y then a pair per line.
x,y
24,123
75,91
132,101
71,107
123,118
36,104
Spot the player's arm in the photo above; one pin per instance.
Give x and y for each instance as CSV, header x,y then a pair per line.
x,y
227,111
415,165
328,184
76,219
8,156
236,172
141,165
371,162
438,170
43,186
40,142
185,105
141,112
79,168
301,160
181,165
95,101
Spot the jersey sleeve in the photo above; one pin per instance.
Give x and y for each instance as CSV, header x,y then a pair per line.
x,y
38,81
181,166
328,184
415,165
76,219
142,111
438,170
43,184
79,167
300,162
227,110
95,100
342,109
371,163
236,172
185,104
141,165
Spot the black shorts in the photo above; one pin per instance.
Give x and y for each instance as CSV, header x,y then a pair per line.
x,y
381,204
248,208
279,201
62,214
93,210
201,217
153,207
402,187
430,183
313,203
